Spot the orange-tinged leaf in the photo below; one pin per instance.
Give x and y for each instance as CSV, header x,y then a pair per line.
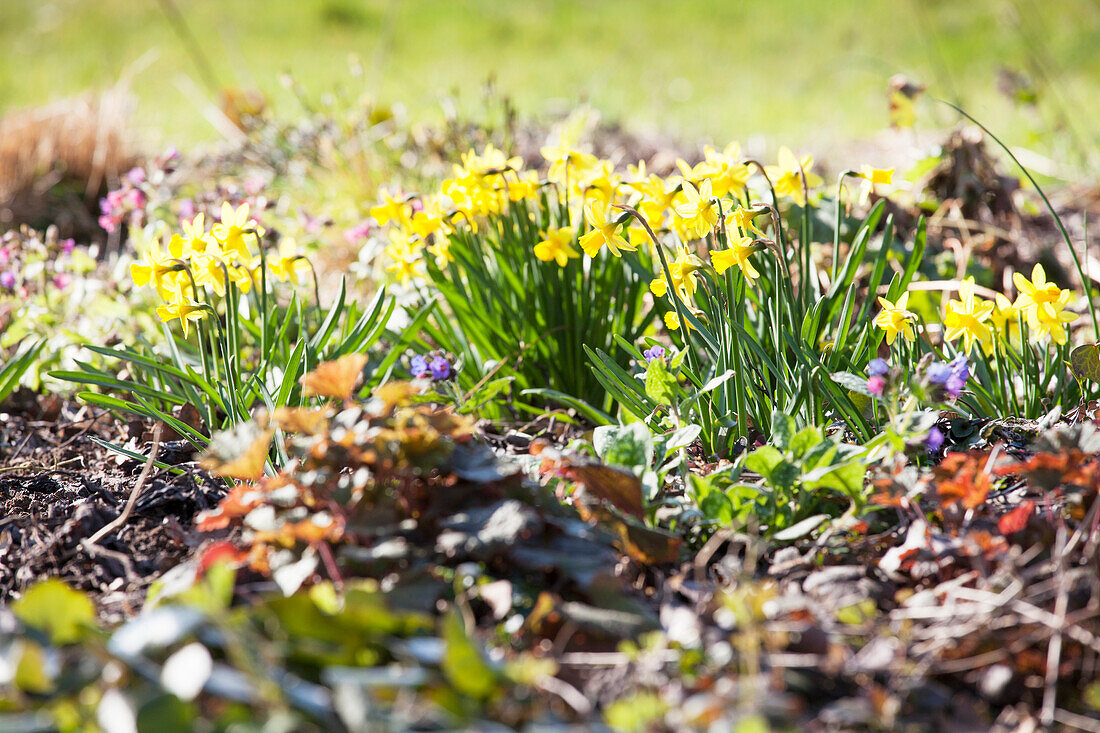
x,y
220,552
239,452
1016,519
300,419
1050,470
393,394
962,477
335,378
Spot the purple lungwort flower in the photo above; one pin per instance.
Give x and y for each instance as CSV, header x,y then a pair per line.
x,y
418,365
938,373
7,279
934,441
440,368
960,372
877,368
654,352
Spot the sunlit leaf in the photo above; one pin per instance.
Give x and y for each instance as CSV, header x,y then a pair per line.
x,y
463,663
620,488
335,378
1085,362
56,609
300,419
239,452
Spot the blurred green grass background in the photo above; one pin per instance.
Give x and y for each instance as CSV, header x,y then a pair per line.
x,y
796,71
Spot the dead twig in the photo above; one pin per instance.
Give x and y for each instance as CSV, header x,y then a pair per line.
x,y
146,470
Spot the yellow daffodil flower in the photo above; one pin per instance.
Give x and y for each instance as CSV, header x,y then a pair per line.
x,y
428,220
163,272
872,177
288,264
406,257
184,309
894,318
491,162
737,254
684,281
884,176
602,184
966,317
698,214
556,246
636,174
742,218
391,209
194,241
1052,322
638,236
567,164
441,250
524,187
605,230
1005,321
1037,295
725,170
787,176
672,322
660,197
230,232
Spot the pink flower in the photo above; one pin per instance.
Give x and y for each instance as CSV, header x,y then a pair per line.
x,y
254,185
135,198
108,223
356,234
61,280
136,175
875,385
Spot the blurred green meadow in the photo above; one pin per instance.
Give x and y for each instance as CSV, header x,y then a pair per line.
x,y
800,71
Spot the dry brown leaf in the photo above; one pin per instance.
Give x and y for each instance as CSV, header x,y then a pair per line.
x,y
621,489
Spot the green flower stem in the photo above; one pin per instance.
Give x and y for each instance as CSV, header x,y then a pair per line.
x,y
691,356
263,291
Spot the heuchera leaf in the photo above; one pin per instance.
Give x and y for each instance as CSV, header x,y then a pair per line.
x,y
619,488
1016,519
335,378
239,452
1085,362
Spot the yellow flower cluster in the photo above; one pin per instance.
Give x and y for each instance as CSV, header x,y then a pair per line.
x,y
689,204
198,262
1041,304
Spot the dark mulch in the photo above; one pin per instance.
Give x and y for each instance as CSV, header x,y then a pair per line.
x,y
58,488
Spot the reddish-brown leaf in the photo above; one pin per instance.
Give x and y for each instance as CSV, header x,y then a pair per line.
x,y
1016,519
962,477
